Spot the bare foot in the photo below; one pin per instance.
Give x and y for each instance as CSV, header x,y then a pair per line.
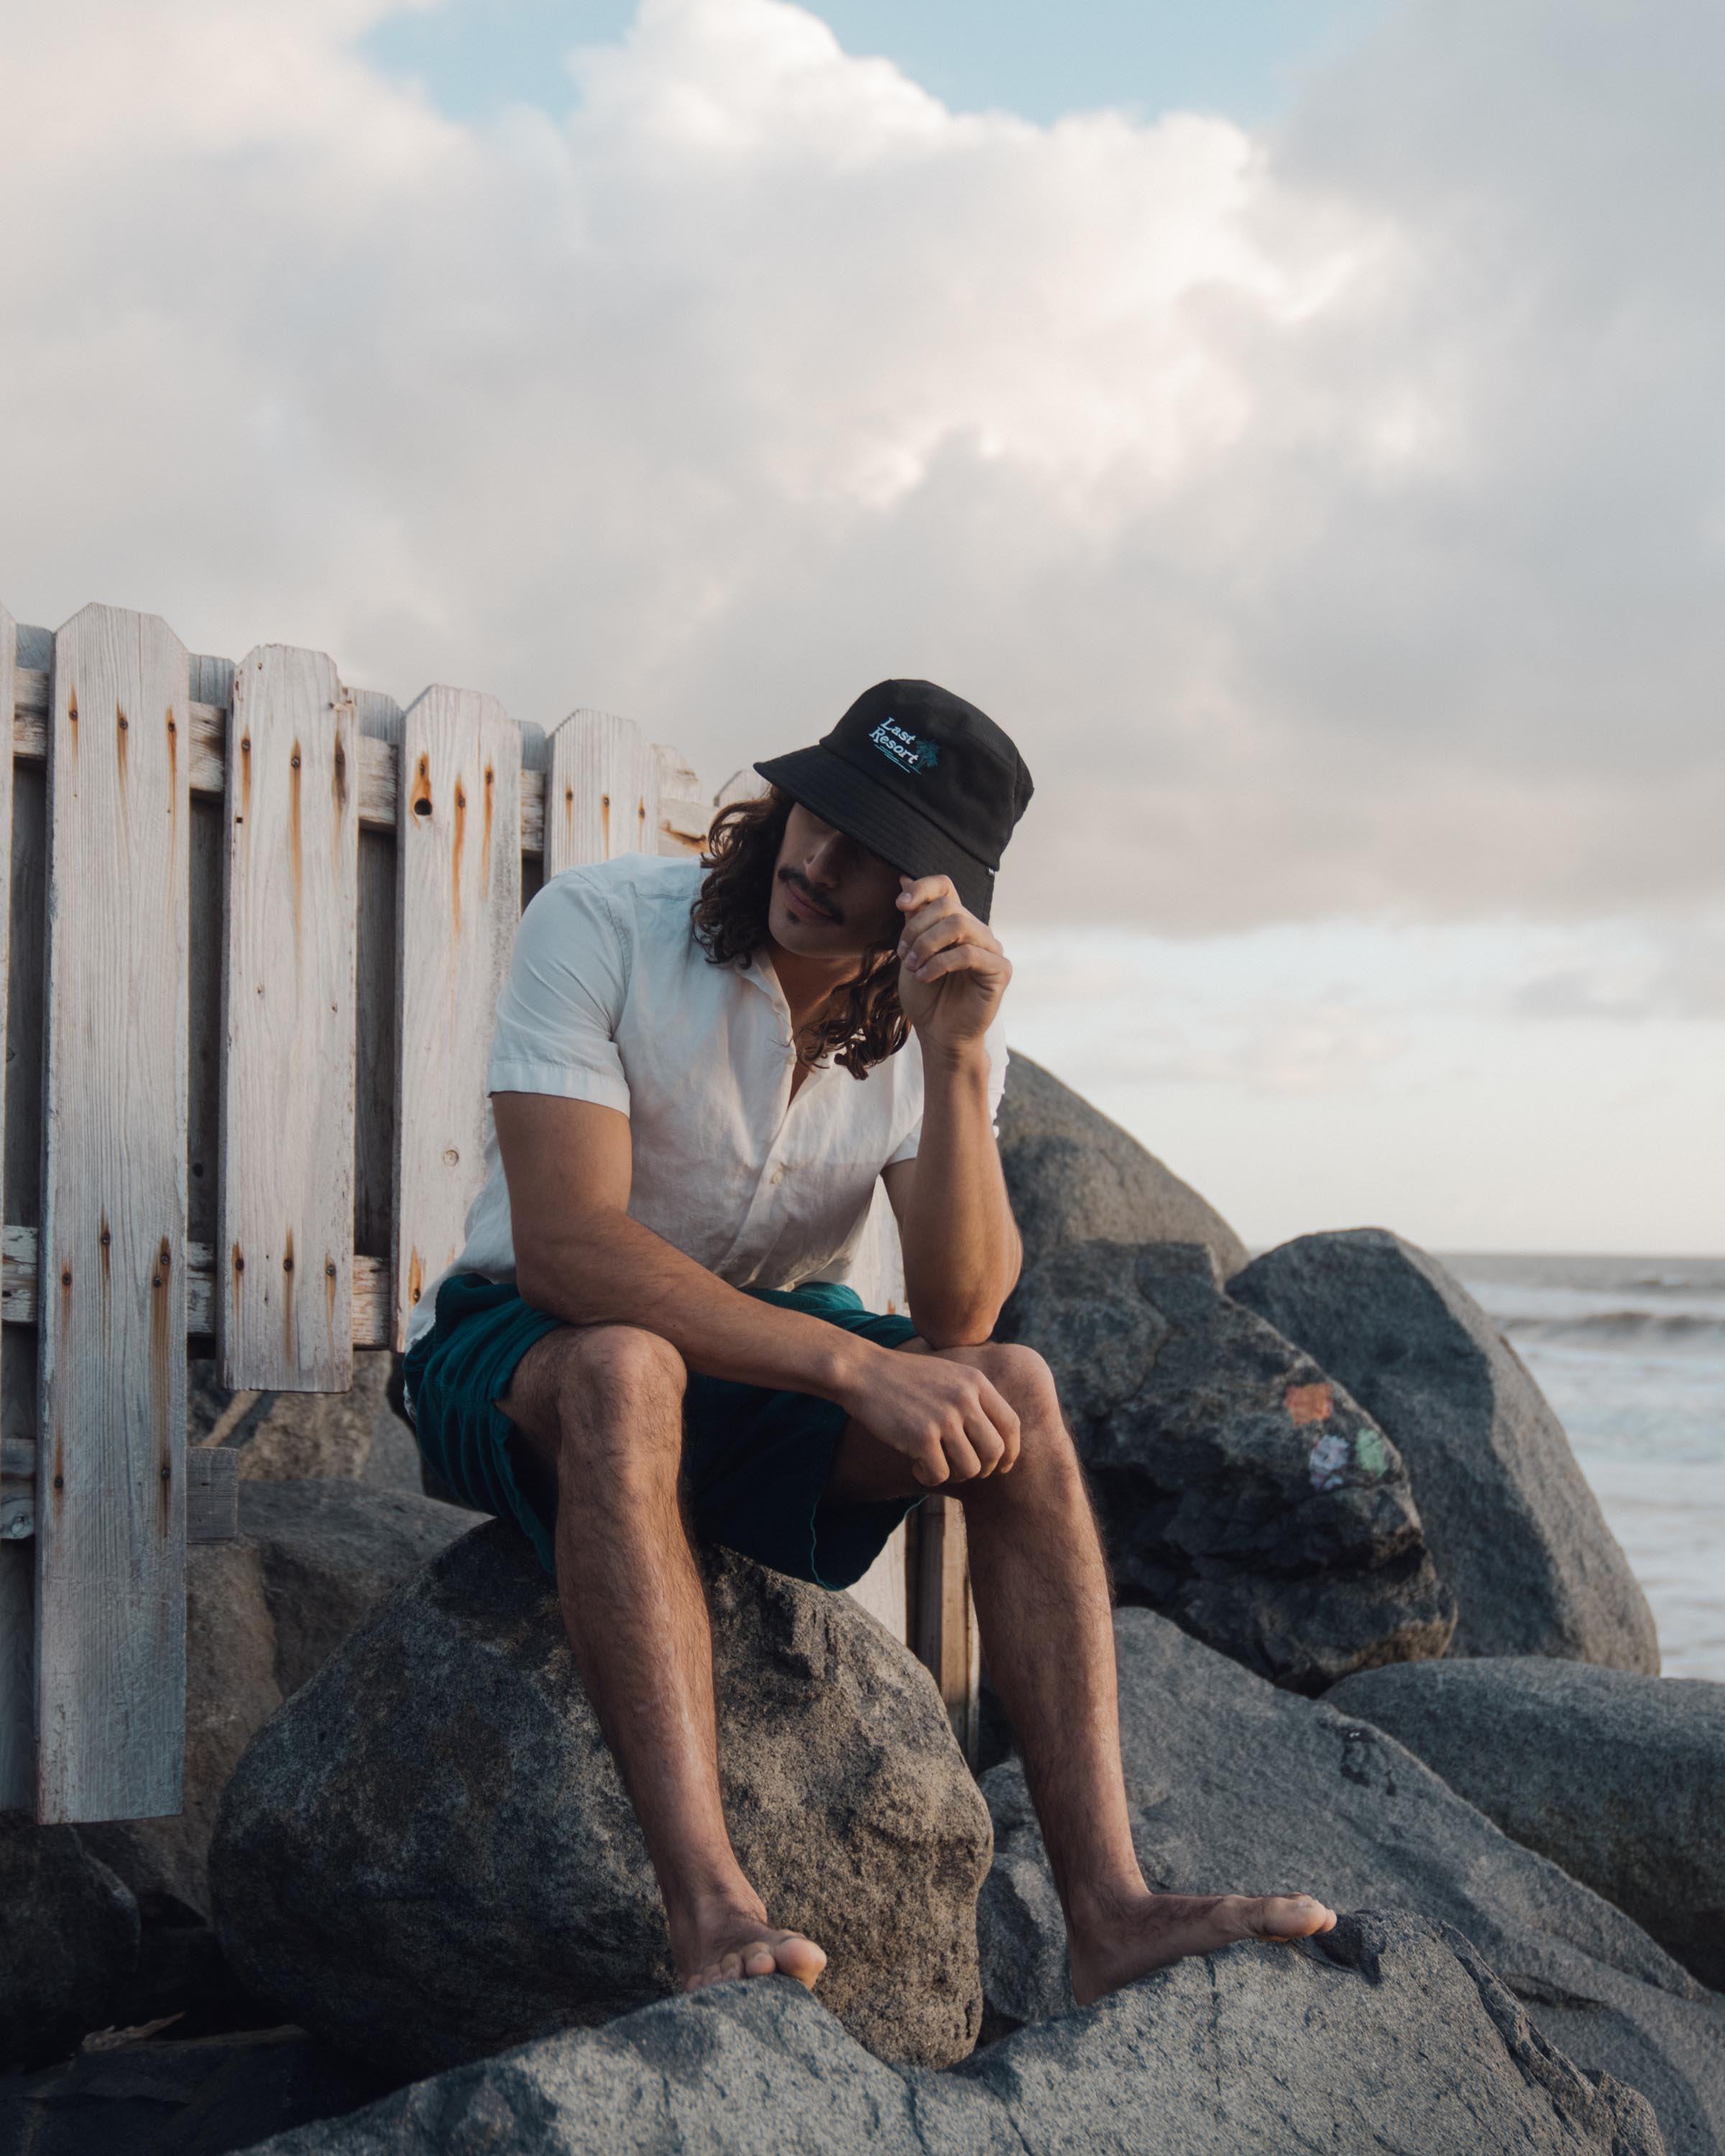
x,y
725,1944
1129,1936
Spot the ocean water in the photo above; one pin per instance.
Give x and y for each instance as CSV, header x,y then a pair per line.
x,y
1631,1353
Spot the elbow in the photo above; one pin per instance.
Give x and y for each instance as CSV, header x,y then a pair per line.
x,y
963,1315
956,1324
557,1273
531,1280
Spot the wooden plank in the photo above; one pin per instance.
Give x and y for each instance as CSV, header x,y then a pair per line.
x,y
8,670
212,1494
457,904
744,785
18,1283
684,813
284,1295
883,1590
943,1619
877,1273
19,1382
111,1523
18,1652
379,760
601,792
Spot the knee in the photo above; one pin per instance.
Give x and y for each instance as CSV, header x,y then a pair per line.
x,y
1025,1382
621,1383
1020,1377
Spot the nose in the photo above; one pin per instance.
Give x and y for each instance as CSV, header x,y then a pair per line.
x,y
822,863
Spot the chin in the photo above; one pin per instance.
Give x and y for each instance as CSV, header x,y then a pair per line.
x,y
807,938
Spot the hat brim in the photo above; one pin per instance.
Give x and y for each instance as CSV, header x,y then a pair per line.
x,y
841,795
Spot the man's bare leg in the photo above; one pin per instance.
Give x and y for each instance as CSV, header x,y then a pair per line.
x,y
1043,1607
601,1408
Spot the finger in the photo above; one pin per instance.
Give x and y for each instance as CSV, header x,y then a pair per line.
x,y
926,918
923,890
939,936
1005,1418
929,1466
986,1441
961,958
961,1457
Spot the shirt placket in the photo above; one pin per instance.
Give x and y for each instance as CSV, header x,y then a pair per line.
x,y
755,1237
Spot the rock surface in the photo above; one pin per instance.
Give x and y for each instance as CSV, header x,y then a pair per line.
x,y
428,1854
1619,1778
1235,1784
263,1613
1072,1174
165,2098
359,1435
1241,1493
68,1939
1397,2038
1509,1518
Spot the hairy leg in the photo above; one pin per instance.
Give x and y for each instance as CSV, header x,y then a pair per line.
x,y
601,1410
1043,1607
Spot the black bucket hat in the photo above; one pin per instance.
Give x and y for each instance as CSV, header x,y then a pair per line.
x,y
919,777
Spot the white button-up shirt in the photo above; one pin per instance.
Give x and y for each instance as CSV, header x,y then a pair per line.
x,y
610,999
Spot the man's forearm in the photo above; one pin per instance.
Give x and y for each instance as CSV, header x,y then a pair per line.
x,y
961,1244
605,1268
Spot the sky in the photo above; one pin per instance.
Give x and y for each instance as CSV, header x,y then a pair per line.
x,y
1242,58
1294,420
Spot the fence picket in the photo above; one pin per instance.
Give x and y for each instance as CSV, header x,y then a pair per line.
x,y
284,1299
601,792
458,901
17,1620
110,1525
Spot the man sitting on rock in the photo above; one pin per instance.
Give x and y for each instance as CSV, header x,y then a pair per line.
x,y
698,1073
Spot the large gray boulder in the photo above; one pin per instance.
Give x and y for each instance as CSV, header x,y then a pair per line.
x,y
1240,1491
1072,1174
69,1940
264,1611
1619,1778
428,1854
1235,1785
1509,1517
1395,2037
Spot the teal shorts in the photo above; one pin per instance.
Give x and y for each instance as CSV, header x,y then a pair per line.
x,y
756,1462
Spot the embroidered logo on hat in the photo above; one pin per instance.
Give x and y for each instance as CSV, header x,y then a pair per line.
x,y
904,748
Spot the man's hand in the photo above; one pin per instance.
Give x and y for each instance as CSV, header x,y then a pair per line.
x,y
946,1418
953,972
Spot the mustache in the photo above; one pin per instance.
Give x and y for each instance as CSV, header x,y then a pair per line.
x,y
808,892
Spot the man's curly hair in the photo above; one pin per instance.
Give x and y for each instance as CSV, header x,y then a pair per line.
x,y
861,1024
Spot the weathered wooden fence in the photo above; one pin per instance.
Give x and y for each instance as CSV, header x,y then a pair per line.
x,y
258,923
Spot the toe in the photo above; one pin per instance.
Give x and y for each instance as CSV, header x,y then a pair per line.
x,y
800,1957
1289,1916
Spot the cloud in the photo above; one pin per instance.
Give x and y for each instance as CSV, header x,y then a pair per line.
x,y
1337,517
1644,971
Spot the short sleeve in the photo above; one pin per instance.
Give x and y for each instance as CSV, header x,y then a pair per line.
x,y
560,1007
994,1040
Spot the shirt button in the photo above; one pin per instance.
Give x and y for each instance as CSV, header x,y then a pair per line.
x,y
776,1176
